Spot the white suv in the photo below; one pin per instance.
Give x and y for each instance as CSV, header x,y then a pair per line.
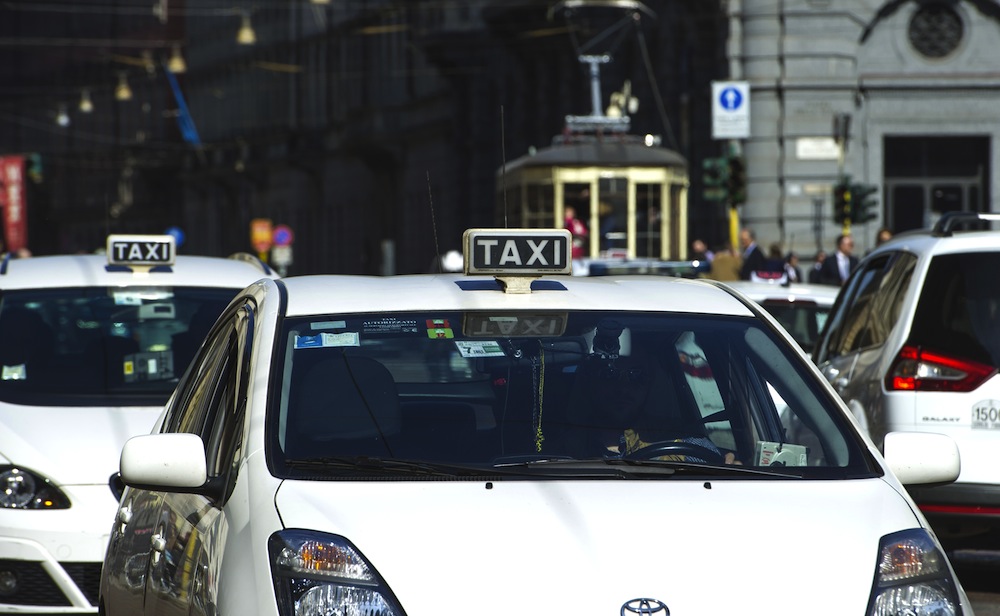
x,y
913,344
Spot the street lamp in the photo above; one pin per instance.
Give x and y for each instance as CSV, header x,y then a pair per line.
x,y
246,35
176,63
86,105
122,91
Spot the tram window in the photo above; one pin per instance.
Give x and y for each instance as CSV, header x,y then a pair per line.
x,y
613,213
648,215
539,210
578,195
508,211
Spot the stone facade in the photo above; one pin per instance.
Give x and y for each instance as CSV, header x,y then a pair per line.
x,y
919,82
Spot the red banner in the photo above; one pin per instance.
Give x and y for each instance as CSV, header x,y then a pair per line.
x,y
15,206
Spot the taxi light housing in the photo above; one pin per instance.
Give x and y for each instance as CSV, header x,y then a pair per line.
x,y
316,574
912,577
21,488
916,369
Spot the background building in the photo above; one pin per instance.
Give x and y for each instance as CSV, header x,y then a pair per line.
x,y
373,129
916,81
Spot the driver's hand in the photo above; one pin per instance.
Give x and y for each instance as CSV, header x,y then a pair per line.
x,y
731,458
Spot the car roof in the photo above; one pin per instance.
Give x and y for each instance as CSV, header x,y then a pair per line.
x,y
89,270
947,236
929,243
335,294
822,294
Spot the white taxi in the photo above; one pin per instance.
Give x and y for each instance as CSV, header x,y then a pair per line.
x,y
516,440
91,346
802,308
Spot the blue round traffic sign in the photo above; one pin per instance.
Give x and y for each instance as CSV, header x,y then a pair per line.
x,y
730,98
178,234
282,235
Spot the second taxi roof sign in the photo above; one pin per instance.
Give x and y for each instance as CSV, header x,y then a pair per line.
x,y
141,249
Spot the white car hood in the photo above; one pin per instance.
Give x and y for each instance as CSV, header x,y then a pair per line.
x,y
71,445
588,547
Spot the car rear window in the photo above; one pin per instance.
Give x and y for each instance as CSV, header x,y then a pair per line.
x,y
804,319
958,312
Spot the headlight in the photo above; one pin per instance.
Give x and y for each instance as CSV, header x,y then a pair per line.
x,y
24,489
912,578
316,574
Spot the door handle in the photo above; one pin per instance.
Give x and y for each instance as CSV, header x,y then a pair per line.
x,y
158,544
124,517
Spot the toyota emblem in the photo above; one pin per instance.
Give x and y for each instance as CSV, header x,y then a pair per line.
x,y
645,607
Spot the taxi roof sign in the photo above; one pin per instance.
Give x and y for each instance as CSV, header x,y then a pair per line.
x,y
141,250
518,252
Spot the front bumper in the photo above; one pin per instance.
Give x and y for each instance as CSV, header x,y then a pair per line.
x,y
50,561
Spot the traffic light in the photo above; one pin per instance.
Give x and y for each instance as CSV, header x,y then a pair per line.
x,y
864,202
736,180
843,205
715,177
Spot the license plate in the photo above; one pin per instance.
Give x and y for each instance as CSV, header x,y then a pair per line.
x,y
986,415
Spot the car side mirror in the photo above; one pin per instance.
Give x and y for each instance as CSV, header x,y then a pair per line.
x,y
166,462
922,458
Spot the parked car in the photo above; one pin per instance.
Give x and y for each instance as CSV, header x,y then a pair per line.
x,y
607,445
913,344
801,308
91,346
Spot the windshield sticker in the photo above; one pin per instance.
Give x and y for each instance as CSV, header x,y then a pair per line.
x,y
127,299
781,454
479,348
439,329
135,296
328,325
15,373
326,340
389,325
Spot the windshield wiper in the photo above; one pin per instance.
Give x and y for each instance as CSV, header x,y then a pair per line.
x,y
386,465
649,467
714,470
552,467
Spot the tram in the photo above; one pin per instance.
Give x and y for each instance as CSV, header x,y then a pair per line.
x,y
632,196
630,192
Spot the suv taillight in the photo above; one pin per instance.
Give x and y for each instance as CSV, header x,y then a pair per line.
x,y
918,370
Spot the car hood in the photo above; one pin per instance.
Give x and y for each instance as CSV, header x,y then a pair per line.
x,y
71,445
588,547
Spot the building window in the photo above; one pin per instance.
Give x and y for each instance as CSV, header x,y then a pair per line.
x,y
935,30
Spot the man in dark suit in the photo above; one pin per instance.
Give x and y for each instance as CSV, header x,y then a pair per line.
x,y
838,266
814,271
753,256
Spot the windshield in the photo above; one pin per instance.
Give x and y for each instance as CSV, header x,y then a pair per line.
x,y
117,346
491,391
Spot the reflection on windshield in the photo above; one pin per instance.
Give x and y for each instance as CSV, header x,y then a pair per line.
x,y
76,346
479,389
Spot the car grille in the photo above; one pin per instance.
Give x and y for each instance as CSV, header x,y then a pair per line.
x,y
36,588
87,577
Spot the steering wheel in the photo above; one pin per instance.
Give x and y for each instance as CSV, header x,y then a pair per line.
x,y
675,448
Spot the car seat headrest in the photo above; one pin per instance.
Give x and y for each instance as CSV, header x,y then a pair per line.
x,y
610,339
